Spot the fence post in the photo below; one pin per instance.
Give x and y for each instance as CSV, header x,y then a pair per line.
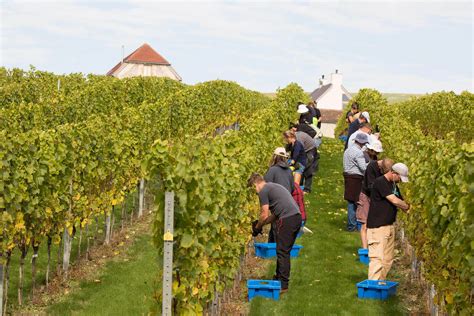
x,y
1,284
433,306
141,197
168,255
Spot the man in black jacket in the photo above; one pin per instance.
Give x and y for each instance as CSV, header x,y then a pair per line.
x,y
279,172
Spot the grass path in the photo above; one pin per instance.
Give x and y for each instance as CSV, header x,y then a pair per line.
x,y
323,280
123,287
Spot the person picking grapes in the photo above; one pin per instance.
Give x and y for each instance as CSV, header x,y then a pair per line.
x,y
385,198
277,204
297,156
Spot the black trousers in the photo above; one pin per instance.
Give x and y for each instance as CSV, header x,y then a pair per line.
x,y
272,233
312,162
287,229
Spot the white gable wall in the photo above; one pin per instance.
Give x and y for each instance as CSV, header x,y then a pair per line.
x,y
332,99
134,70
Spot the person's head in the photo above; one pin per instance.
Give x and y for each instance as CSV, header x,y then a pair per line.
x,y
293,127
290,137
312,104
386,165
399,172
355,107
302,109
361,139
279,156
257,181
364,117
366,128
374,147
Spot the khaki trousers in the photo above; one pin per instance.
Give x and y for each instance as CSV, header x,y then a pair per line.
x,y
381,249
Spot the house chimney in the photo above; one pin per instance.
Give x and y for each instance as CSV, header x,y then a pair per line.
x,y
323,77
336,78
123,52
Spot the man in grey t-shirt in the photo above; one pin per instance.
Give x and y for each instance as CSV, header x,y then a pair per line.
x,y
278,205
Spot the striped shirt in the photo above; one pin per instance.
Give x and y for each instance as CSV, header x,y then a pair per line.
x,y
354,161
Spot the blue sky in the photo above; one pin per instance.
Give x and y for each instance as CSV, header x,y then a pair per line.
x,y
402,46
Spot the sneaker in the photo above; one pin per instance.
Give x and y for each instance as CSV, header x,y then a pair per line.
x,y
283,291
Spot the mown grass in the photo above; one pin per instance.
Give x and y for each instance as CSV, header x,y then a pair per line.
x,y
42,261
126,286
323,279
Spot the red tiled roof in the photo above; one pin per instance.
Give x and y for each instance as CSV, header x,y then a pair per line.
x,y
142,55
146,54
116,67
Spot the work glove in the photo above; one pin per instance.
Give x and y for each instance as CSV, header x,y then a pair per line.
x,y
255,231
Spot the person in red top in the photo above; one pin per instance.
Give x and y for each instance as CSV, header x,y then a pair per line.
x,y
298,196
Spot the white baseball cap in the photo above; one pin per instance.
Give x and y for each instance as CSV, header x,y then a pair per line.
x,y
375,145
402,170
280,151
302,108
366,115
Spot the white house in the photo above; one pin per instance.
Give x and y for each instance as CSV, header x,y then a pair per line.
x,y
331,94
144,61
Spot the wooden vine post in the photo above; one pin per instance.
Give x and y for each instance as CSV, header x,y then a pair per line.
x,y
1,284
67,238
141,197
168,255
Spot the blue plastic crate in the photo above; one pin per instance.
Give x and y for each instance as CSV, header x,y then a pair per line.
x,y
268,250
364,255
265,288
374,289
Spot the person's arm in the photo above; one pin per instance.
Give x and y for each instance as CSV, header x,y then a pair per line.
x,y
392,198
265,216
361,163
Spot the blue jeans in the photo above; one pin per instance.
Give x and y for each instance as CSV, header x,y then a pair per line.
x,y
351,216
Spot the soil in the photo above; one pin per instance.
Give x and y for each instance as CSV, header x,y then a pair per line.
x,y
413,290
235,300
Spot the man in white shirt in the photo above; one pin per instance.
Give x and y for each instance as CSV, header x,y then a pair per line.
x,y
354,164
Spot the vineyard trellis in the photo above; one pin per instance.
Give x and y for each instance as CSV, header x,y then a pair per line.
x,y
433,135
71,155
